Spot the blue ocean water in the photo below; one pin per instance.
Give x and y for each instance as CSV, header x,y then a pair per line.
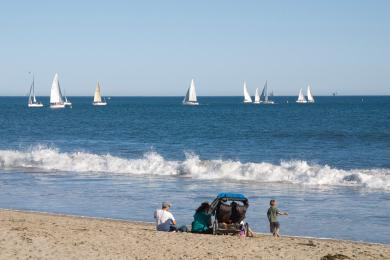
x,y
328,163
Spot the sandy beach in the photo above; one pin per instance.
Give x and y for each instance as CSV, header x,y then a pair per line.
x,y
45,236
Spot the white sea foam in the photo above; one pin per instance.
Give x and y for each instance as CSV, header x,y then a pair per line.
x,y
152,163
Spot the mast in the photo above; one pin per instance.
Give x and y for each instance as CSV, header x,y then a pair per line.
x,y
33,90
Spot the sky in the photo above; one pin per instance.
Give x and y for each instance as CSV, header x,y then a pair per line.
x,y
154,48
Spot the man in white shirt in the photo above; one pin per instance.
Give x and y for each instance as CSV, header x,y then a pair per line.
x,y
164,219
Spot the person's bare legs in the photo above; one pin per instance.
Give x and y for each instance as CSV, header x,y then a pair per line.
x,y
277,232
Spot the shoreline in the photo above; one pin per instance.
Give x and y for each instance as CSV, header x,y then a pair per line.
x,y
152,223
57,236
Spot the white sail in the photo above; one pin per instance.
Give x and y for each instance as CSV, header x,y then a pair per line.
x,y
264,93
310,97
247,97
97,97
257,96
32,100
190,98
301,97
55,93
31,97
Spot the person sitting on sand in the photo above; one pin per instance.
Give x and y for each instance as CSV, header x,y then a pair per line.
x,y
164,219
272,214
202,219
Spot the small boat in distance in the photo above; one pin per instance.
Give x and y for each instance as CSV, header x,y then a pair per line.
x,y
257,97
310,98
32,101
67,102
247,97
264,94
97,98
190,98
301,97
56,100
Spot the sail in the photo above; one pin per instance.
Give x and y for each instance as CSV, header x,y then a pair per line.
x,y
301,97
264,93
191,93
31,96
257,96
310,97
97,97
55,93
247,97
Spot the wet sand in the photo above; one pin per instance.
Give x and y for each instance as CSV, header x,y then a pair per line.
x,y
26,235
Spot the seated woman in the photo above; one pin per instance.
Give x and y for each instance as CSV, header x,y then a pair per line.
x,y
202,219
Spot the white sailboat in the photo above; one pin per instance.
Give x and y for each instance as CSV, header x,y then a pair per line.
x,y
67,102
56,100
301,97
257,97
264,94
247,97
190,98
32,100
97,98
310,98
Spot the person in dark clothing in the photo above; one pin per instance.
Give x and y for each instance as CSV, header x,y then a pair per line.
x,y
272,214
202,219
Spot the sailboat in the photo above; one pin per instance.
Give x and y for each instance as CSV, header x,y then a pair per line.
x,y
32,101
190,98
56,100
247,97
310,98
264,94
67,102
97,98
257,97
301,97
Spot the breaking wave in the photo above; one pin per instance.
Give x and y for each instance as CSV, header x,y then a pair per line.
x,y
152,163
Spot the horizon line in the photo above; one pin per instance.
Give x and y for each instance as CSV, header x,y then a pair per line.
x,y
369,95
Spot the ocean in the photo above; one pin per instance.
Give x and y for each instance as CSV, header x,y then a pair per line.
x,y
328,163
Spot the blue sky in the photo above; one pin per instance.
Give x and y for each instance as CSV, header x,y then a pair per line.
x,y
156,47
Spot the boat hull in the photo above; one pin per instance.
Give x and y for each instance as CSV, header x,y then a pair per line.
x,y
188,103
99,103
247,102
268,102
257,102
301,101
35,105
55,106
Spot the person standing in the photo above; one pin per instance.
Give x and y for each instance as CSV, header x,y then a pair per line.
x,y
272,214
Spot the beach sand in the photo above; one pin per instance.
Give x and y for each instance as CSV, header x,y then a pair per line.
x,y
26,235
